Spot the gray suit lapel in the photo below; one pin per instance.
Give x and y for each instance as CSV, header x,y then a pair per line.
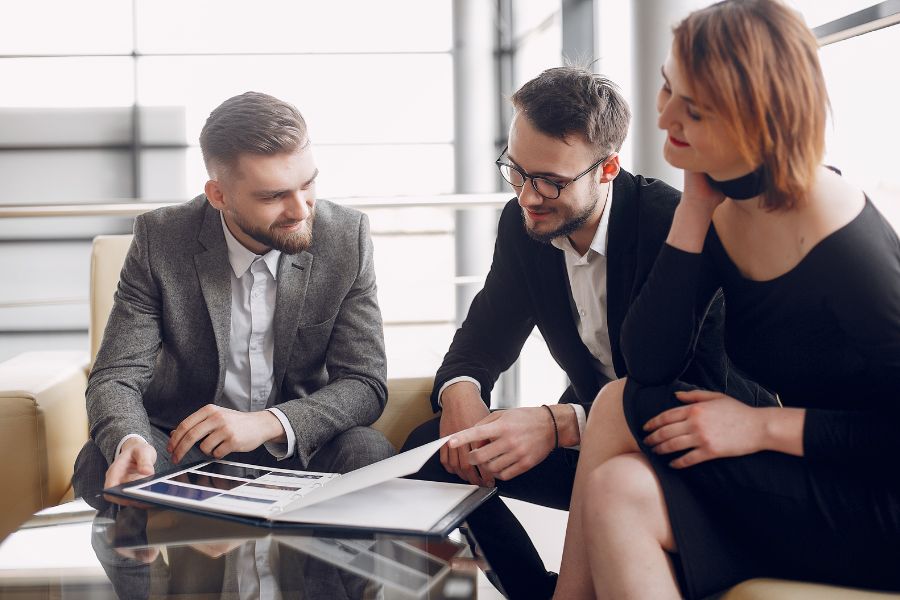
x,y
293,281
214,272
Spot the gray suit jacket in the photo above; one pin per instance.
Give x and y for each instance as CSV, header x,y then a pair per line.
x,y
164,350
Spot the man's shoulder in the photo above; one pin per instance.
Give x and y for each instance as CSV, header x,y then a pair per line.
x,y
179,218
335,225
650,194
512,211
333,215
512,226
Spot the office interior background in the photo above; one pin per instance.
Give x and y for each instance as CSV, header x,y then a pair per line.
x,y
103,100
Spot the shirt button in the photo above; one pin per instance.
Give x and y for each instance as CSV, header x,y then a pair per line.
x,y
581,312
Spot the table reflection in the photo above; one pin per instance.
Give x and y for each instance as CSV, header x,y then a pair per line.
x,y
163,553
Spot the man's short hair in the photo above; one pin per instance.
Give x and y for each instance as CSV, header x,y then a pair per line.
x,y
563,101
251,123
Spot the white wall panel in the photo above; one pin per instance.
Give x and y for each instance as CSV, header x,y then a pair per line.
x,y
53,176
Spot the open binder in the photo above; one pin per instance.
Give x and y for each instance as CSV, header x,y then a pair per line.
x,y
372,498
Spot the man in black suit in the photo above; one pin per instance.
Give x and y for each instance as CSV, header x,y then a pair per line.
x,y
572,252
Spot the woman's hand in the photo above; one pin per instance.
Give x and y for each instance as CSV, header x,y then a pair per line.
x,y
699,194
710,425
694,213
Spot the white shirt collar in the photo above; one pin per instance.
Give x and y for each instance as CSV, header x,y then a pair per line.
x,y
598,244
241,258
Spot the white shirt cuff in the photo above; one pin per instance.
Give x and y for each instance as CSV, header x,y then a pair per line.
x,y
125,439
582,419
282,450
450,382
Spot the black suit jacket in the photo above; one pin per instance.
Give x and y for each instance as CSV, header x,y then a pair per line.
x,y
528,286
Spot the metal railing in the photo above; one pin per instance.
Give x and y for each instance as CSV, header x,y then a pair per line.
x,y
879,16
133,208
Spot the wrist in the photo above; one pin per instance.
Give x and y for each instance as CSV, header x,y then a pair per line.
x,y
566,424
274,430
554,435
461,393
133,442
782,429
689,227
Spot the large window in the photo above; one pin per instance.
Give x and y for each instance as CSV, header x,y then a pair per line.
x,y
864,123
104,100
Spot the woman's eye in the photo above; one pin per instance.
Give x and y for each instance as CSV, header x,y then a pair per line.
x,y
694,116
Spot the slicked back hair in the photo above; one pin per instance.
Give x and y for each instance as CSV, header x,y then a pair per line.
x,y
251,123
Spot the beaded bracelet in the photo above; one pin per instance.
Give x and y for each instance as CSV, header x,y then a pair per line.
x,y
555,428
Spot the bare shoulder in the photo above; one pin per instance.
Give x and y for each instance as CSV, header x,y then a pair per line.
x,y
834,202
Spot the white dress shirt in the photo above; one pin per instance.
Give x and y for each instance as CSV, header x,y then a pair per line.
x,y
587,297
249,366
249,362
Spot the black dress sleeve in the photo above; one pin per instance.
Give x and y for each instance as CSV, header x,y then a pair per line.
x,y
862,267
498,322
662,326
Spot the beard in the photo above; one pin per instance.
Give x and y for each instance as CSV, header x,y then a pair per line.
x,y
572,224
292,242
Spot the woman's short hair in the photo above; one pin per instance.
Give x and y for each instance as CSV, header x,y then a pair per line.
x,y
573,100
251,123
755,64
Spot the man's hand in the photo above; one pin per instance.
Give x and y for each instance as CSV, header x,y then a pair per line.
x,y
135,461
509,442
223,431
462,408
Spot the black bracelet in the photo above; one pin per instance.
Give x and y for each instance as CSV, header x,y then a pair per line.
x,y
555,428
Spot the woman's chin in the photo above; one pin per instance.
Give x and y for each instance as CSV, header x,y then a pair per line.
x,y
671,156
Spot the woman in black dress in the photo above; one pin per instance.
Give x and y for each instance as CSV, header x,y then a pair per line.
x,y
686,492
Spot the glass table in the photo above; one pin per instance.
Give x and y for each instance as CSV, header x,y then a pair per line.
x,y
108,551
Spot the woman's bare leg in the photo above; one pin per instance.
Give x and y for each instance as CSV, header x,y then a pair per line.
x,y
606,435
627,531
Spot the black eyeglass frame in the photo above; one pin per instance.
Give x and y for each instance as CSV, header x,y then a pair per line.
x,y
526,176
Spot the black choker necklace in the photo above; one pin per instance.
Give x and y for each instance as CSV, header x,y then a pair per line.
x,y
742,188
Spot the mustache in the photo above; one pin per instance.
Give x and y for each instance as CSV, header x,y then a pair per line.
x,y
287,223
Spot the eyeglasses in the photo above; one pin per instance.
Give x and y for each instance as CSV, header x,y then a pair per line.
x,y
547,188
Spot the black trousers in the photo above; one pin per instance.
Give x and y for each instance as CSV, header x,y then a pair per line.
x,y
505,543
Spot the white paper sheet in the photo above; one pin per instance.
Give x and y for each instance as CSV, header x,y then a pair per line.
x,y
401,504
403,464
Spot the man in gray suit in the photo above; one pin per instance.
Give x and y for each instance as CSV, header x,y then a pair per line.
x,y
245,323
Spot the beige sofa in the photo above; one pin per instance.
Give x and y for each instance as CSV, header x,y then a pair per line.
x,y
43,425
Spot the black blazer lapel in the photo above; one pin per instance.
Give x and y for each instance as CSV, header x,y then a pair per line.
x,y
621,257
214,273
293,281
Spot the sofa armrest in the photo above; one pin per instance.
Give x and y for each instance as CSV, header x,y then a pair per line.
x,y
408,406
779,589
43,425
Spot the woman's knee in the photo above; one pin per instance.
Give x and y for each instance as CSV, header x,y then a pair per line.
x,y
606,423
624,491
607,404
